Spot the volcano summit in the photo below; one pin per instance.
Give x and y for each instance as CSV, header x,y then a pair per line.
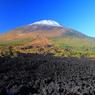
x,y
47,23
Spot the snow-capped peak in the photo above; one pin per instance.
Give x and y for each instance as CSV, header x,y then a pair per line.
x,y
47,23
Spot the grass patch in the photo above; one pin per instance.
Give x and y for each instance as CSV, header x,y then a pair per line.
x,y
75,43
16,42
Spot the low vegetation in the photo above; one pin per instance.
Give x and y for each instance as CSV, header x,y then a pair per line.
x,y
76,43
65,51
60,46
15,42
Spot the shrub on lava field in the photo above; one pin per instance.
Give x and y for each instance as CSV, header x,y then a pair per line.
x,y
16,53
1,53
91,56
59,54
5,52
67,55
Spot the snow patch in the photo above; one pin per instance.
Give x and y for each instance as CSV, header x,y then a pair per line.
x,y
47,23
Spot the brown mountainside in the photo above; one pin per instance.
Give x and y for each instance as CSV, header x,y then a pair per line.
x,y
39,32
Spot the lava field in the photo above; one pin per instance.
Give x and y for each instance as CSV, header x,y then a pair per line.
x,y
33,74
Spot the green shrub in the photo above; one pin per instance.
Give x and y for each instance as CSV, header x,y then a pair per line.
x,y
1,53
16,53
59,54
5,52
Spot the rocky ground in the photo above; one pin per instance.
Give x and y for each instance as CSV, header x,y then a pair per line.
x,y
34,74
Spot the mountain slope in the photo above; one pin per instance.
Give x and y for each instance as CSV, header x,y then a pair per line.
x,y
47,32
49,29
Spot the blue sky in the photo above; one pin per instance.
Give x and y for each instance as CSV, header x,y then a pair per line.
x,y
75,14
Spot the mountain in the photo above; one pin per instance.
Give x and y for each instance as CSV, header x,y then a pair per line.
x,y
46,32
46,28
